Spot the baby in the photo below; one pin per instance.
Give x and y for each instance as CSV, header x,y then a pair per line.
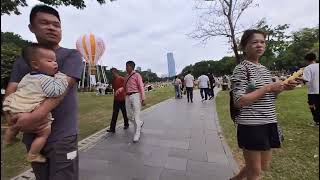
x,y
43,81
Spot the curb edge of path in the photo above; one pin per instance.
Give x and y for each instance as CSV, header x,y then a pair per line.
x,y
232,163
86,143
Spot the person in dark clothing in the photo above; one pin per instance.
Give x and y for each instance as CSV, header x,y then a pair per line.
x,y
61,148
311,77
212,85
118,102
182,86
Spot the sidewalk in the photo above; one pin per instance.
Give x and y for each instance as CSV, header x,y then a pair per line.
x,y
179,141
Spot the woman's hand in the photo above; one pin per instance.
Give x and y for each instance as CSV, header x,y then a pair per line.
x,y
290,85
275,87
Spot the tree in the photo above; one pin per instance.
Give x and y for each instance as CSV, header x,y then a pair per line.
x,y
218,68
186,69
221,18
11,45
11,6
303,41
9,53
277,42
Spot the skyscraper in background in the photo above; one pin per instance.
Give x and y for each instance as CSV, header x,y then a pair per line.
x,y
138,68
171,65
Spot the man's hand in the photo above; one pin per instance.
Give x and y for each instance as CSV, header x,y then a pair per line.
x,y
119,91
27,122
143,103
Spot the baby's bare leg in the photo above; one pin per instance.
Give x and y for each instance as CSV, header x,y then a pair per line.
x,y
10,133
40,140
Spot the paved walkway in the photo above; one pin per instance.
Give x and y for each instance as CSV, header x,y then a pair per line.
x,y
179,141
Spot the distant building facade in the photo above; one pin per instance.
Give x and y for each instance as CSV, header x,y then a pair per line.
x,y
171,65
138,69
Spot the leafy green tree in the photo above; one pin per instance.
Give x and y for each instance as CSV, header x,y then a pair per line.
x,y
9,53
303,41
149,76
277,43
11,45
315,48
11,6
186,69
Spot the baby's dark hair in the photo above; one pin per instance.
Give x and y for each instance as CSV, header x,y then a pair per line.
x,y
29,52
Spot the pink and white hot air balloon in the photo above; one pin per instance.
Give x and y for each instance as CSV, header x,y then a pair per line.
x,y
91,47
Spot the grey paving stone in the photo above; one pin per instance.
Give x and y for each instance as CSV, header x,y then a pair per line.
x,y
215,157
176,163
179,153
93,165
168,174
153,131
89,175
152,173
155,162
206,168
197,156
188,154
179,141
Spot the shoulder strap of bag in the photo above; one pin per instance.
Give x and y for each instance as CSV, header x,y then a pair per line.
x,y
125,86
247,72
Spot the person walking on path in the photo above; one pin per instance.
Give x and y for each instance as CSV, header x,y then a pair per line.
x,y
255,93
135,97
189,83
183,91
204,86
212,85
311,76
61,148
118,102
177,87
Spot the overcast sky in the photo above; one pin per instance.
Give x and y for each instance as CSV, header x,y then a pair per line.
x,y
145,30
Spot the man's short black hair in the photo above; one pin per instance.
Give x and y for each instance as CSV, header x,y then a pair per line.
x,y
131,63
43,8
114,69
29,52
310,57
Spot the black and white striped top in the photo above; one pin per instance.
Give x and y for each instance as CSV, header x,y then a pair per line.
x,y
263,110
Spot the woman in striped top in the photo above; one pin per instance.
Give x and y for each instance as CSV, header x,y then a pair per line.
x,y
255,93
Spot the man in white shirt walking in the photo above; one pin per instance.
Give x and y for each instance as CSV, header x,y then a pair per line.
x,y
311,76
204,86
189,83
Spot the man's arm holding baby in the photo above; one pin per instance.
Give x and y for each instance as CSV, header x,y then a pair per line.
x,y
30,122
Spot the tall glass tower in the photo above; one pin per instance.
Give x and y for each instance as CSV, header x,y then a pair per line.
x,y
171,65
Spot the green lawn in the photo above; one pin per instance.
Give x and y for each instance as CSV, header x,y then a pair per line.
x,y
298,158
94,114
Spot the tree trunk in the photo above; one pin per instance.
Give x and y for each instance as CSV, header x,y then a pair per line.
x,y
233,38
234,43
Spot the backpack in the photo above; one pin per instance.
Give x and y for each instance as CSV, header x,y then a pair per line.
x,y
234,111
